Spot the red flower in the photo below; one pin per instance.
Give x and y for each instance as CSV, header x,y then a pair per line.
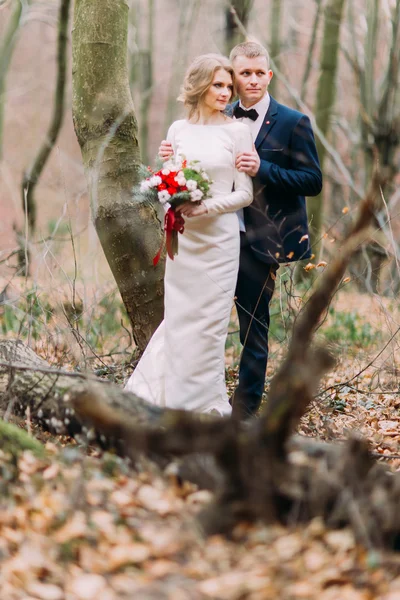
x,y
161,187
172,190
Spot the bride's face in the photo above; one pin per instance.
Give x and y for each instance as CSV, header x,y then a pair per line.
x,y
219,93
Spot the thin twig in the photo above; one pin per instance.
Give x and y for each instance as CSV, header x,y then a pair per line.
x,y
332,387
51,371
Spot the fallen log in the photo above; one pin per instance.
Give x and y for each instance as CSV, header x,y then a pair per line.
x,y
262,470
26,380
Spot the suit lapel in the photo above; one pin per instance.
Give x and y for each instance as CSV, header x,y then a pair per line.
x,y
230,108
268,122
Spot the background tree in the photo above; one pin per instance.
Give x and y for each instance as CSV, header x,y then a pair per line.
x,y
237,15
141,69
377,77
7,46
325,100
188,15
146,83
310,51
33,173
106,129
275,37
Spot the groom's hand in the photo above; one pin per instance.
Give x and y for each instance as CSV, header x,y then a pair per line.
x,y
248,162
165,150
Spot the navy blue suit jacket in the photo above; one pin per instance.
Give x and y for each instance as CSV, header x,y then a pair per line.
x,y
276,222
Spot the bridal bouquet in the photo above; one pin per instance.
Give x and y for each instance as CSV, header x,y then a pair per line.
x,y
176,182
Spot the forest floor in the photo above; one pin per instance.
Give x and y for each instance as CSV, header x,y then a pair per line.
x,y
82,524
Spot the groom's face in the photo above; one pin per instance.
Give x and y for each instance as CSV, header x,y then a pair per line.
x,y
252,78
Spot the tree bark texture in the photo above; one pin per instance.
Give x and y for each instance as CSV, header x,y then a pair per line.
x,y
106,128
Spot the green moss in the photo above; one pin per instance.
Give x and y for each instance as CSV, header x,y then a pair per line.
x,y
14,440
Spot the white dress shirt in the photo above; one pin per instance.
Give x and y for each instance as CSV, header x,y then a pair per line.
x,y
261,107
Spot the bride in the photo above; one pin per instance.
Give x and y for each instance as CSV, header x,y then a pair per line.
x,y
183,365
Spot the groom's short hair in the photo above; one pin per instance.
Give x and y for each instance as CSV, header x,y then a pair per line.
x,y
250,50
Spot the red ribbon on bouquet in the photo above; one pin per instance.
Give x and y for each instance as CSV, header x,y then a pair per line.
x,y
174,223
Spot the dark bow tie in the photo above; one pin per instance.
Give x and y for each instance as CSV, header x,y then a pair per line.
x,y
249,114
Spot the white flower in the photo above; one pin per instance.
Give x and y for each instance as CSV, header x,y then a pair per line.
x,y
205,176
196,195
196,167
165,171
191,185
155,181
145,185
164,196
180,180
170,165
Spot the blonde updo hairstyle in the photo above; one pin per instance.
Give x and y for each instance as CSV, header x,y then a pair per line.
x,y
199,77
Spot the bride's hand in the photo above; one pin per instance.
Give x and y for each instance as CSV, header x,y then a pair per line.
x,y
165,150
190,209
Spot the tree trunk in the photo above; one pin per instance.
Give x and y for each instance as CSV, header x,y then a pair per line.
x,y
275,45
32,175
106,128
188,12
310,51
380,122
324,106
236,21
146,83
6,51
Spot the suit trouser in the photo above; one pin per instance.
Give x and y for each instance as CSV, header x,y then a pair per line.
x,y
255,286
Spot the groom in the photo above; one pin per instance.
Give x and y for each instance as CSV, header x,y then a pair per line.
x,y
285,169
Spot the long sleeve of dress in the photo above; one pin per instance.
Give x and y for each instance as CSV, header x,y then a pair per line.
x,y
243,185
171,136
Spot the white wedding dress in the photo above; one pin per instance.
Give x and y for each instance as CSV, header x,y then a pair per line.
x,y
183,366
